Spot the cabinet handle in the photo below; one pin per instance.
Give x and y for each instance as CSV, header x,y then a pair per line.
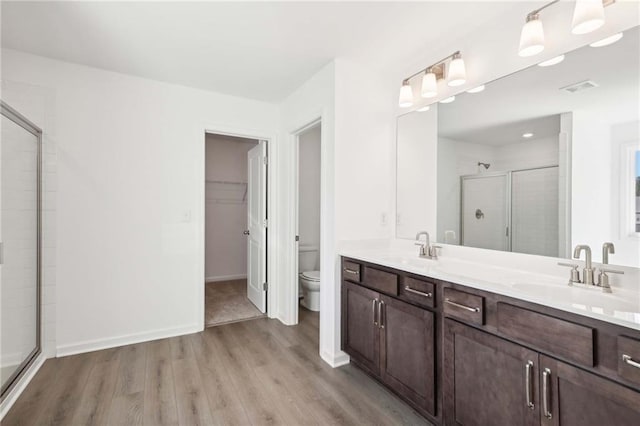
x,y
351,271
381,311
419,293
373,308
628,360
528,383
458,305
546,393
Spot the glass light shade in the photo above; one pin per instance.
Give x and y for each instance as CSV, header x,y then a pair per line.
x,y
457,75
429,85
607,41
406,96
531,38
588,16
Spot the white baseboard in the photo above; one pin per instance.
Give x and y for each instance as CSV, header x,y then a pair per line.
x,y
112,342
17,390
335,360
225,278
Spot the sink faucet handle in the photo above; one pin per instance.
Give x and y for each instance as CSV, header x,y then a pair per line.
x,y
603,278
433,251
575,275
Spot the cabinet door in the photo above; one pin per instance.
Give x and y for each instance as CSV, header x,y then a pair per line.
x,y
488,380
571,396
360,333
408,351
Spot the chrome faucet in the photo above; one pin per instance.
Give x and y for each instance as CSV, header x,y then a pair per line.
x,y
587,272
427,251
607,249
424,247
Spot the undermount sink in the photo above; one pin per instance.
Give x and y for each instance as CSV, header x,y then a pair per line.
x,y
416,262
591,299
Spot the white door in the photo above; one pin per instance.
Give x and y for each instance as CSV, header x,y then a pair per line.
x,y
257,226
485,214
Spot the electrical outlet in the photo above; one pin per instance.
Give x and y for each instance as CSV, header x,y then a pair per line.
x,y
383,219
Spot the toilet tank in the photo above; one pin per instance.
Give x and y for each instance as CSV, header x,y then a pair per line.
x,y
308,258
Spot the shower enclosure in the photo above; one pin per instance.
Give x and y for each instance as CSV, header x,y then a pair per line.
x,y
20,153
512,211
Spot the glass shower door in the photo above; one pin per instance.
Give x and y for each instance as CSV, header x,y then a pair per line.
x,y
485,211
19,246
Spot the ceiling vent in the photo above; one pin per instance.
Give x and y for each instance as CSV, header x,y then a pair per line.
x,y
577,87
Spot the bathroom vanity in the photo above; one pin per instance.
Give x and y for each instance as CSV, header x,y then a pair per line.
x,y
465,351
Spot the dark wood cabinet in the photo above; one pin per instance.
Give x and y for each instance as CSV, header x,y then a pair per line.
x,y
407,351
463,356
488,380
574,397
360,331
391,339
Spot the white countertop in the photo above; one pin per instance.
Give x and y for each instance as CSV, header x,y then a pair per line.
x,y
621,307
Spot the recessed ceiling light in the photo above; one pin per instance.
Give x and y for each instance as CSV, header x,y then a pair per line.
x,y
423,109
527,135
552,61
607,41
476,89
448,100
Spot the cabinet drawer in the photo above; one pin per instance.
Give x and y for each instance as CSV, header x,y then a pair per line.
x,y
629,359
376,279
464,306
418,292
351,271
552,335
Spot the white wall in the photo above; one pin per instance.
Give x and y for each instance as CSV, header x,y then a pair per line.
x,y
130,219
309,190
225,207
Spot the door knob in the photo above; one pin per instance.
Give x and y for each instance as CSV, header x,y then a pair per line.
x,y
246,232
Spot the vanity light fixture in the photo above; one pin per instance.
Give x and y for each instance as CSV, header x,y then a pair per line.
x,y
588,16
532,35
448,100
552,61
476,89
406,95
423,109
527,135
607,41
456,76
457,73
429,84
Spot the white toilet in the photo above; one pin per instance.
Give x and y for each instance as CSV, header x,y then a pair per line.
x,y
309,277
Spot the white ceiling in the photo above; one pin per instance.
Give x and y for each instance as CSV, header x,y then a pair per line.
x,y
527,101
262,50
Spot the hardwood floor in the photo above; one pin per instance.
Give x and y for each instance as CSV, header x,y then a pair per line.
x,y
247,373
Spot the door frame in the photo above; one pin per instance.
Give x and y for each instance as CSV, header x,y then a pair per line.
x,y
295,308
271,148
24,366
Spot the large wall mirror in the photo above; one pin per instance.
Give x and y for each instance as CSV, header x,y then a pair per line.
x,y
537,162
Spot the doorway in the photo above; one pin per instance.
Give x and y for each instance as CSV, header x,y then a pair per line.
x,y
235,228
308,219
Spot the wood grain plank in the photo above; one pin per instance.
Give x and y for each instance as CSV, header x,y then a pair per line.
x,y
131,375
159,394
